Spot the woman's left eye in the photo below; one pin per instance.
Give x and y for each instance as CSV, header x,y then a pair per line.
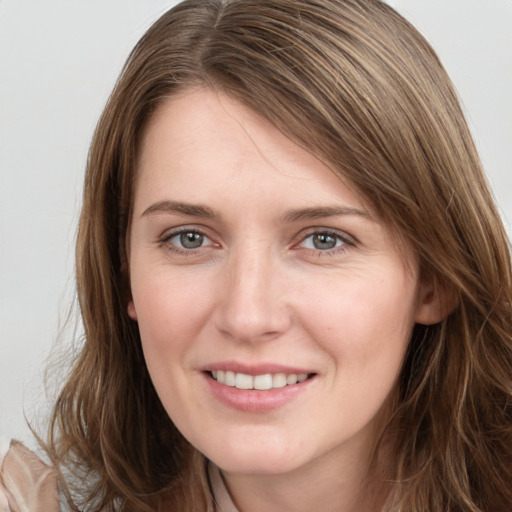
x,y
323,241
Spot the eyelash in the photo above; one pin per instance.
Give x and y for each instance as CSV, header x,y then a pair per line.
x,y
165,240
344,241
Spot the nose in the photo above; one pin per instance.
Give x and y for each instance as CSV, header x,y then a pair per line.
x,y
252,305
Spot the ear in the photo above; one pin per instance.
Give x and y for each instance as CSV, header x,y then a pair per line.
x,y
436,302
131,310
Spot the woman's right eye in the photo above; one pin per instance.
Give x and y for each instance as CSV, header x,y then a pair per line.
x,y
186,240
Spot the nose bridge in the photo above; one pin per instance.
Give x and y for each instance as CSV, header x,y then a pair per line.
x,y
253,305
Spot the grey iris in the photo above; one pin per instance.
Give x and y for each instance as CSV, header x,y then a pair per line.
x,y
191,240
324,241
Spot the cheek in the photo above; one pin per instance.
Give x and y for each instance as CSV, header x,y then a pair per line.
x,y
363,322
171,309
171,314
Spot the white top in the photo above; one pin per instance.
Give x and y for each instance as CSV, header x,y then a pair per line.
x,y
221,497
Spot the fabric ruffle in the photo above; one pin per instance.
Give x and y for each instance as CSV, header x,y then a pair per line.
x,y
27,484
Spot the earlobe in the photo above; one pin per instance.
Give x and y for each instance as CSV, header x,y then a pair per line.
x,y
435,304
131,310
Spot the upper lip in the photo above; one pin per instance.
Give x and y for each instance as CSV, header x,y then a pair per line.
x,y
254,369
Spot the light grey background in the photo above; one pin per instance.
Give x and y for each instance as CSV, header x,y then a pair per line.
x,y
58,62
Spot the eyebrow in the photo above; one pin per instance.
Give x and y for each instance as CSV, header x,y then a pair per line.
x,y
196,210
323,211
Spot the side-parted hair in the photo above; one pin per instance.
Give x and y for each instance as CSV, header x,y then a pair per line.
x,y
356,85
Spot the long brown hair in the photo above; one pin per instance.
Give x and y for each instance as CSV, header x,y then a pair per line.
x,y
356,85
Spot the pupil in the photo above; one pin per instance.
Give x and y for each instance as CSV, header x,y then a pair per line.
x,y
191,240
324,241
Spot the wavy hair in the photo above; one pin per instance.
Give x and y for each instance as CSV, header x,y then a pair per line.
x,y
355,84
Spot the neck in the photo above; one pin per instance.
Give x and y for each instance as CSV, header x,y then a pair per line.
x,y
327,485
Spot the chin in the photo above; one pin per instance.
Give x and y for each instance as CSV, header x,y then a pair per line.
x,y
253,458
255,466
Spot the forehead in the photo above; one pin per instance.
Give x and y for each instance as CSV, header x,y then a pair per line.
x,y
200,143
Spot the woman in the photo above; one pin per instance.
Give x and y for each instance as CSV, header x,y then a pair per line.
x,y
294,284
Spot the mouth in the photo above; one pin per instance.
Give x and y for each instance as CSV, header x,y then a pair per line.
x,y
261,382
258,388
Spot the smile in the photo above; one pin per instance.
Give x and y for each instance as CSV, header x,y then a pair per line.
x,y
259,382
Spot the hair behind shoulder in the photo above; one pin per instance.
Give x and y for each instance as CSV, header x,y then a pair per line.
x,y
352,82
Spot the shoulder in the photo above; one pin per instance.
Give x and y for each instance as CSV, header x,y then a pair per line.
x,y
26,482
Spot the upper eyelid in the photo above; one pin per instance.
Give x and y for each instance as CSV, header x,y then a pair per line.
x,y
347,237
171,232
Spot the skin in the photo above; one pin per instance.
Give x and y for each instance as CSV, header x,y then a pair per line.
x,y
289,267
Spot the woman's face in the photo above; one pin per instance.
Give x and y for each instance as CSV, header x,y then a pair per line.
x,y
253,266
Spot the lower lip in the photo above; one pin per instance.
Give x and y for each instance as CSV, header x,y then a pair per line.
x,y
253,400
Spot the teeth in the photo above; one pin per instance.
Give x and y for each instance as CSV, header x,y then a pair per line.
x,y
279,380
243,381
229,379
291,379
260,382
